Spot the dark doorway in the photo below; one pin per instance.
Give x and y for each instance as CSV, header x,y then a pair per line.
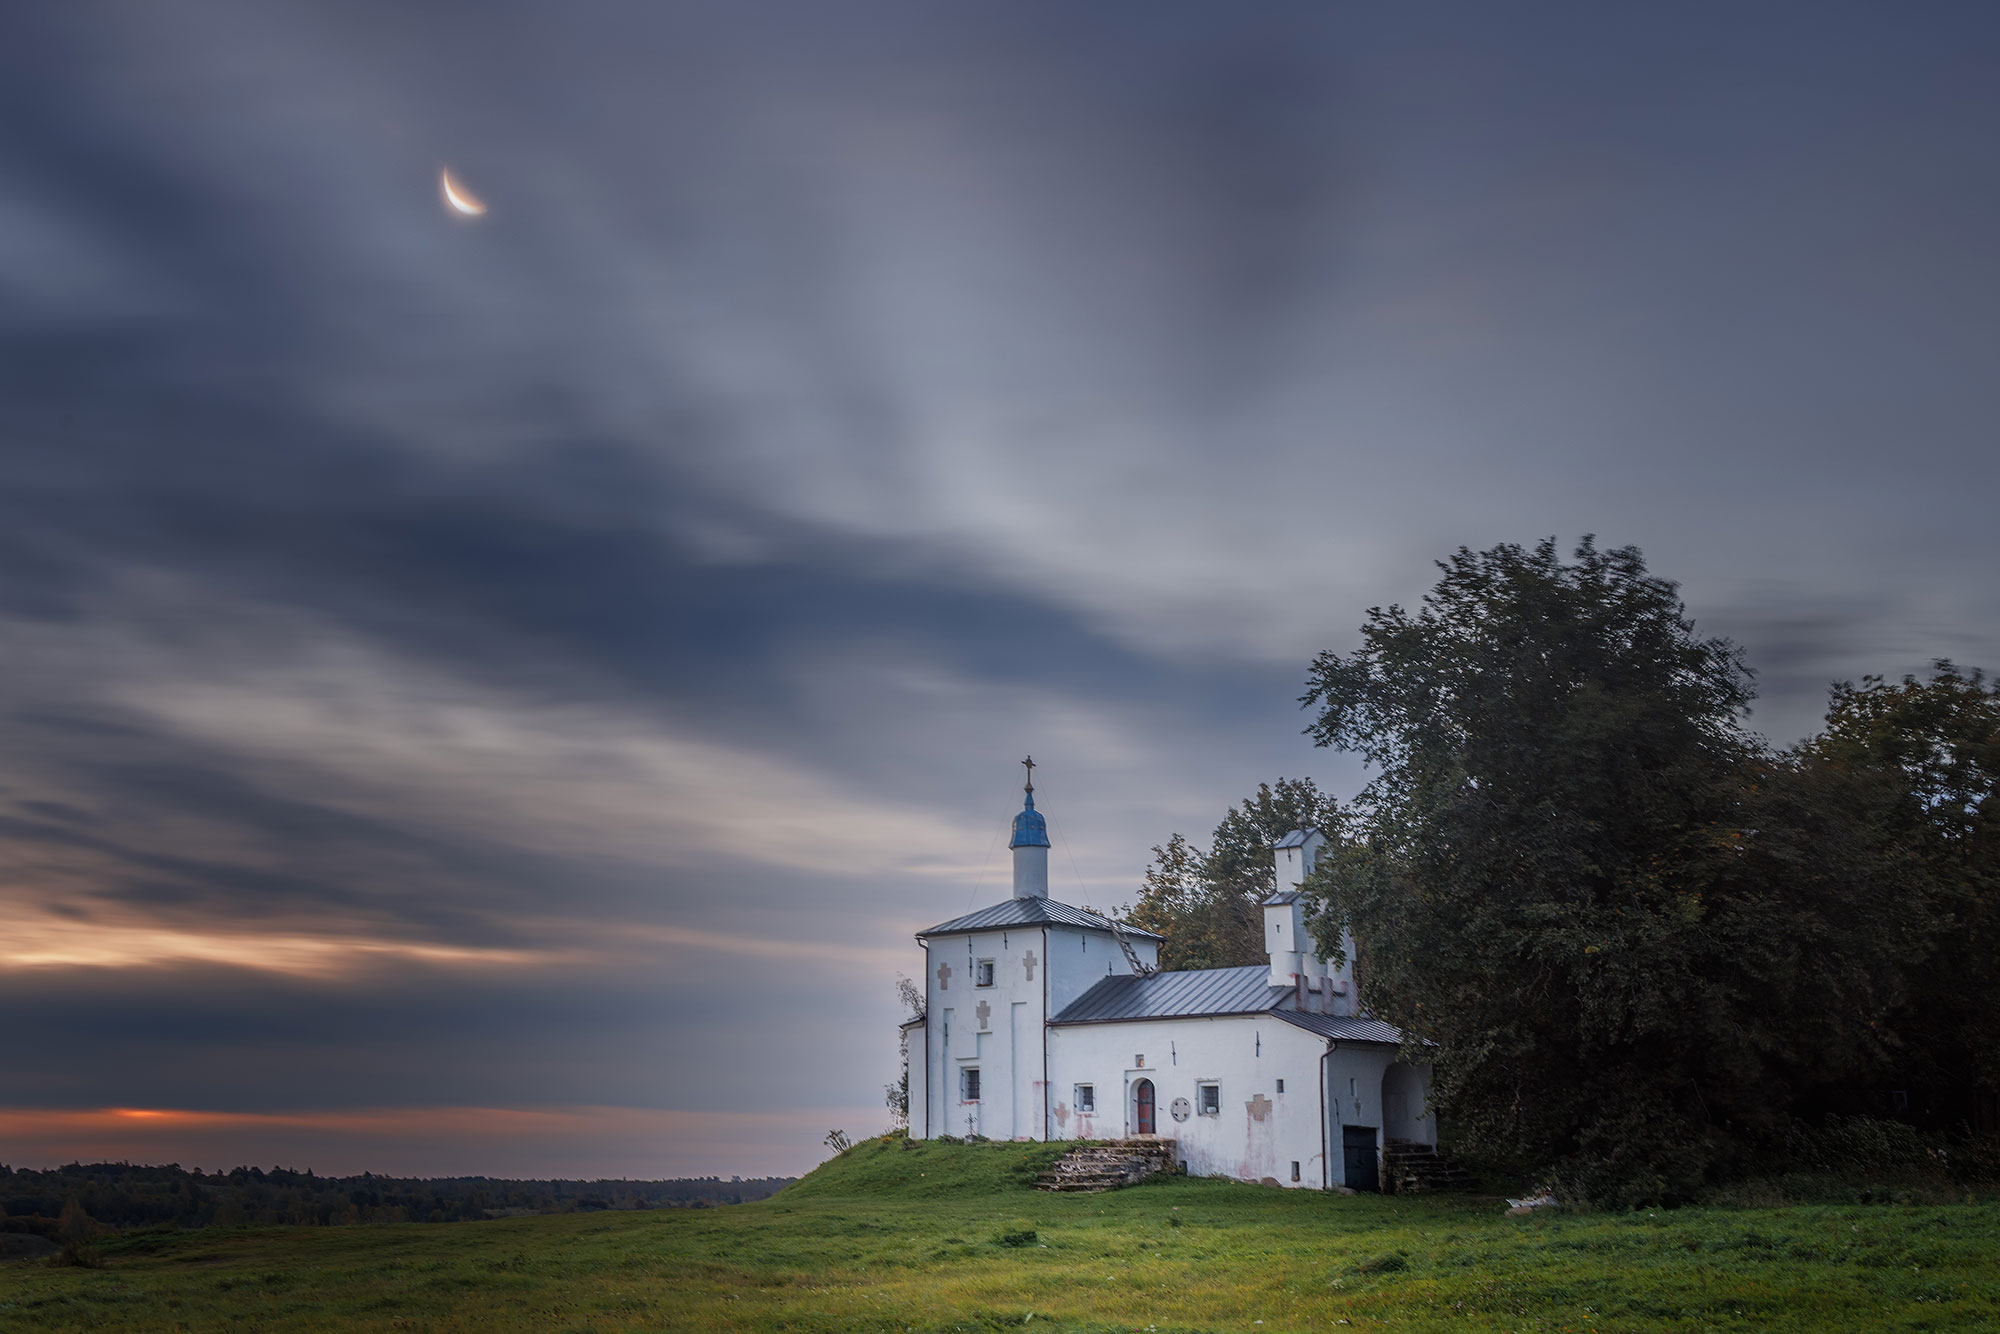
x,y
1359,1141
1143,1091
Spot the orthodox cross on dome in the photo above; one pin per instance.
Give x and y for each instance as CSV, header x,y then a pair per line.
x,y
1029,765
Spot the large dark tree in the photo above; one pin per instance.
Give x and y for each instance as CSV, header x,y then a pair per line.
x,y
1938,742
1205,902
1627,930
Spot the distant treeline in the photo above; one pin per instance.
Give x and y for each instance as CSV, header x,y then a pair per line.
x,y
122,1195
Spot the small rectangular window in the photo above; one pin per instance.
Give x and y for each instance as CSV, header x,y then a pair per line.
x,y
968,1081
1281,1086
1295,1169
1208,1099
982,973
1086,1097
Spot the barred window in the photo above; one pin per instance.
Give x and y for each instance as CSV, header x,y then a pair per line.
x,y
968,1084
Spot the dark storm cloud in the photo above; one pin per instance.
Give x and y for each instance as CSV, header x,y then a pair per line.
x,y
515,663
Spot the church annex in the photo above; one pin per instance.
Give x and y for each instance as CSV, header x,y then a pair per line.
x,y
1047,1022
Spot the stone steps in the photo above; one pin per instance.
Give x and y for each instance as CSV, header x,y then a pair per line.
x,y
1418,1169
1107,1166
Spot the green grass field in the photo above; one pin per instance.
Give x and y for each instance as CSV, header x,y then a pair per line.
x,y
950,1237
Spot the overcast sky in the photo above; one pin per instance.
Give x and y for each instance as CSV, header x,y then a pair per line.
x,y
497,695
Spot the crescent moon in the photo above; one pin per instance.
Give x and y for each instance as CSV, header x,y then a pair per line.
x,y
460,199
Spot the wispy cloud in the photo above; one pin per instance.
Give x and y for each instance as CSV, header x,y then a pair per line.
x,y
447,657
56,942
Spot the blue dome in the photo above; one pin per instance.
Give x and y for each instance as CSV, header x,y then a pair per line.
x,y
1030,829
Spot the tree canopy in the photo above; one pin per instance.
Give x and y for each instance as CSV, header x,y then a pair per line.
x,y
1633,934
1205,902
1937,743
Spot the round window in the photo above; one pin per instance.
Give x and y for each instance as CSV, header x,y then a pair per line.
x,y
1181,1109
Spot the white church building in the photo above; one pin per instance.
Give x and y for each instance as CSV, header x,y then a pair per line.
x,y
1047,1022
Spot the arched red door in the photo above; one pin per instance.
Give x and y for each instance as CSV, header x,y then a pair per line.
x,y
1143,1091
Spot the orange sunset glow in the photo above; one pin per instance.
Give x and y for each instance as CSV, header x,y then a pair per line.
x,y
580,1142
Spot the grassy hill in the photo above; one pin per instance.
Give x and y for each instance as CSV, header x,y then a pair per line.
x,y
934,1237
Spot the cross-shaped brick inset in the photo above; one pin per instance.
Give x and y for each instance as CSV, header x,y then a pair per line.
x,y
1029,960
984,1012
944,977
1260,1107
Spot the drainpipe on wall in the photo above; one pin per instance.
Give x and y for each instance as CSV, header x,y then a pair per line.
x,y
1325,1148
928,1044
1045,1035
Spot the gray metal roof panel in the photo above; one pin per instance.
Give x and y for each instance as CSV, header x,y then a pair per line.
x,y
1343,1028
1195,992
1281,898
1204,992
1297,838
1029,912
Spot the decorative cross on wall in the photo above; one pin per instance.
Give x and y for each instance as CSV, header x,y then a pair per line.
x,y
944,977
1260,1107
1029,960
984,1012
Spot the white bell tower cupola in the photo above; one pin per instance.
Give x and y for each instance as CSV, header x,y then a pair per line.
x,y
1293,961
1030,845
1295,855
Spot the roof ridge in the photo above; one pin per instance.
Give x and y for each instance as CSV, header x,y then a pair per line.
x,y
1031,911
1189,992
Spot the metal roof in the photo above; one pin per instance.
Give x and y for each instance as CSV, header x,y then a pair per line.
x,y
1030,829
1281,898
1207,992
1036,911
1200,991
1342,1029
1297,838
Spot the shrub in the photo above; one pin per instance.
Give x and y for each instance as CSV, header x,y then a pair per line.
x,y
1393,1263
78,1231
1976,1159
78,1255
1861,1146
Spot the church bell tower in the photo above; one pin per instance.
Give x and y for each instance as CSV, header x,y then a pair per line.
x,y
1030,845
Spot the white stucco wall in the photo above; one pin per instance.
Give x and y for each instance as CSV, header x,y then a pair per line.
x,y
1406,1100
1081,959
1366,1087
1245,1055
920,1064
1004,1042
1031,872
